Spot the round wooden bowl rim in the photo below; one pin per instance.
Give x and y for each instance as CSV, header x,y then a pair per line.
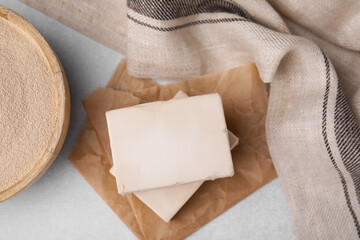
x,y
62,124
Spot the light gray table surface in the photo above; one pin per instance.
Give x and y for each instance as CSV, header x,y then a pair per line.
x,y
62,205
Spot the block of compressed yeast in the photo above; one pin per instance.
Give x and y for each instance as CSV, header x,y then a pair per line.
x,y
167,201
168,143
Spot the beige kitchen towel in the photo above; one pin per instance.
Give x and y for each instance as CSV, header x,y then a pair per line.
x,y
312,126
312,133
101,20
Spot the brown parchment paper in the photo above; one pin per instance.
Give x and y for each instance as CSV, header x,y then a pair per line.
x,y
245,102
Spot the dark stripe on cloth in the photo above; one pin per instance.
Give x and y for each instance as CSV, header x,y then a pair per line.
x,y
173,9
189,24
326,141
347,132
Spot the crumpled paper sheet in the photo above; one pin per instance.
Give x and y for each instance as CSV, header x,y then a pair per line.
x,y
245,103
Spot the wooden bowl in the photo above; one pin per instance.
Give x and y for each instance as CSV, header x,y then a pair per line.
x,y
60,131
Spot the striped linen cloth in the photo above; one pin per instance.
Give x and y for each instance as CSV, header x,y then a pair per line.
x,y
307,50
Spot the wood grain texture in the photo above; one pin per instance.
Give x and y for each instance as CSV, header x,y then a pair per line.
x,y
60,131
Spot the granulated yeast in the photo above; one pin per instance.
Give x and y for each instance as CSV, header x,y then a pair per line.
x,y
28,104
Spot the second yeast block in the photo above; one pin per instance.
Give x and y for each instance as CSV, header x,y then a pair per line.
x,y
168,143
